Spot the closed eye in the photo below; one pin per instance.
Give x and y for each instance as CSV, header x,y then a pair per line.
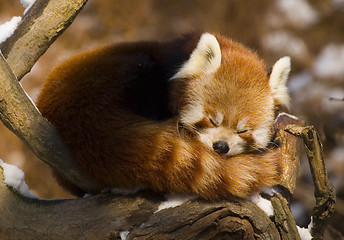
x,y
216,119
215,123
241,131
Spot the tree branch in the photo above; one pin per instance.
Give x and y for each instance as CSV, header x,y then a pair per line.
x,y
324,191
105,216
20,115
39,28
290,150
283,218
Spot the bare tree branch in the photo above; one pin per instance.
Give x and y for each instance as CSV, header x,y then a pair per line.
x,y
19,115
290,150
39,28
105,216
324,191
43,23
283,218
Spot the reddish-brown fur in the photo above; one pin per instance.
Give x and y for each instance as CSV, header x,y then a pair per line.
x,y
121,139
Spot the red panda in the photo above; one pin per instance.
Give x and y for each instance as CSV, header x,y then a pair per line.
x,y
192,115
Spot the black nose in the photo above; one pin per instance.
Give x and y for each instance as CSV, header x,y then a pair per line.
x,y
221,147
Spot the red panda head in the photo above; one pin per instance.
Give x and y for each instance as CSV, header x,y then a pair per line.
x,y
228,99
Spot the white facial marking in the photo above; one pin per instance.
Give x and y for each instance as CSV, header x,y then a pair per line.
x,y
236,146
206,139
242,125
261,137
193,113
211,135
219,118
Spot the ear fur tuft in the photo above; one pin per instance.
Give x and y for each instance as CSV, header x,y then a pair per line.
x,y
206,58
278,81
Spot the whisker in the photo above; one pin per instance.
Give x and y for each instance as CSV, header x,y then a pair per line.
x,y
259,150
273,144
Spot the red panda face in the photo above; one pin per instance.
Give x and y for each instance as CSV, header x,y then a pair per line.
x,y
229,100
227,117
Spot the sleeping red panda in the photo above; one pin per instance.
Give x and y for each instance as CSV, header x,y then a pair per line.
x,y
192,115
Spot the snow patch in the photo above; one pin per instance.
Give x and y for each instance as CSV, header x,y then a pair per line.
x,y
338,4
27,4
304,233
297,12
263,204
174,200
299,81
87,195
337,154
280,115
15,178
8,28
330,62
285,43
123,235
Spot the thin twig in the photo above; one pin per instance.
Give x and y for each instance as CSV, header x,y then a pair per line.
x,y
336,99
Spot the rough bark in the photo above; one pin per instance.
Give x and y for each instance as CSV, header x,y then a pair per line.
x,y
324,191
105,216
39,28
283,218
290,150
42,24
21,116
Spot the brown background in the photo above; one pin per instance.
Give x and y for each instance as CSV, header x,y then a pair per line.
x,y
311,32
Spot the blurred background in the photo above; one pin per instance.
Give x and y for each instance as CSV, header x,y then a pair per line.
x,y
310,32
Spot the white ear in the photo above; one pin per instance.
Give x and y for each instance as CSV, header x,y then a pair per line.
x,y
206,58
278,80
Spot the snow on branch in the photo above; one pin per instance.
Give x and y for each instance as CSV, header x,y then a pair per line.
x,y
21,116
38,29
